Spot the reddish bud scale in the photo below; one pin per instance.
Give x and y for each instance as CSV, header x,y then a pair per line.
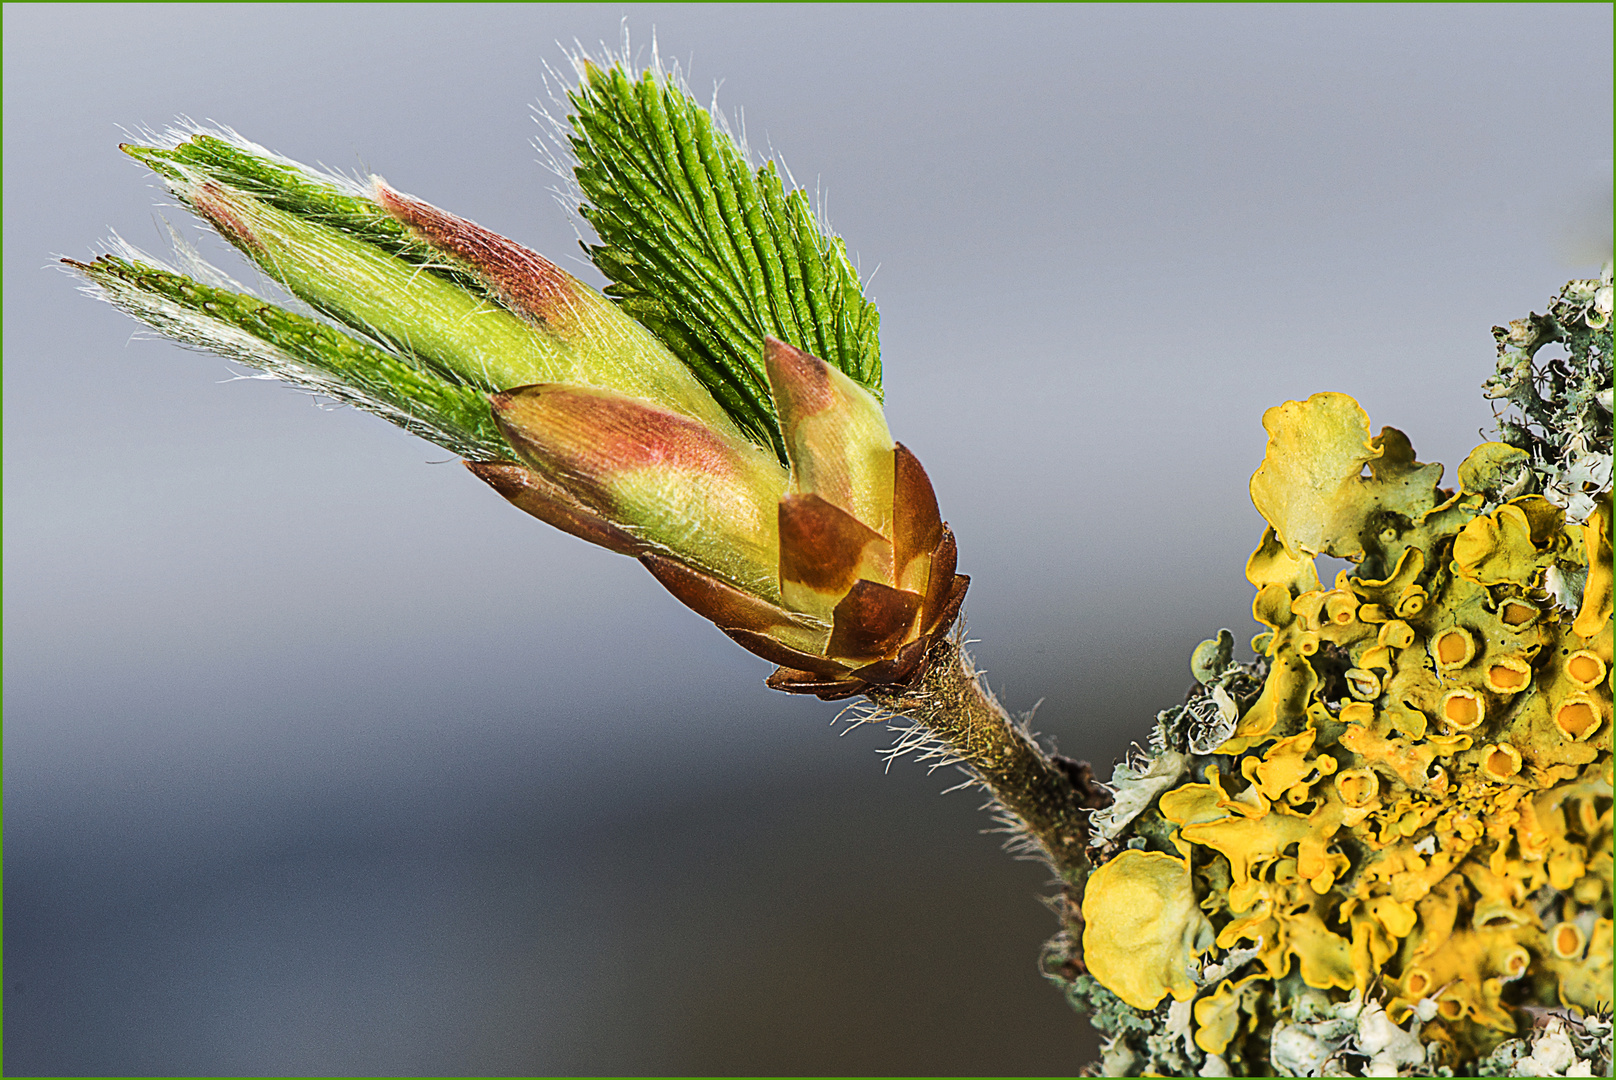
x,y
824,550
835,434
764,628
530,284
917,526
593,435
872,620
213,203
550,503
800,382
672,483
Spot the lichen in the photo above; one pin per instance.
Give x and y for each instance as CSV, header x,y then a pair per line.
x,y
1401,846
1559,407
1557,1045
1144,929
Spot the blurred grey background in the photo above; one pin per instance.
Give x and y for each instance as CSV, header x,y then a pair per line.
x,y
319,758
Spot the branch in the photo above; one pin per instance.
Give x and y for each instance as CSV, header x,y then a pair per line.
x,y
1038,792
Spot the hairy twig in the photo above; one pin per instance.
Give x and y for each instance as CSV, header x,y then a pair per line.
x,y
1035,793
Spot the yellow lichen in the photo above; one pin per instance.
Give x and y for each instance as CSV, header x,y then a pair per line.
x,y
1142,928
1453,648
1585,669
1508,675
1514,544
1411,603
1462,709
1357,787
1577,716
1596,594
1421,795
1286,765
1340,607
1500,762
1417,983
1395,633
1567,941
1283,701
1490,467
1316,448
1583,979
1404,577
1375,658
1517,614
1363,683
1218,1015
1273,564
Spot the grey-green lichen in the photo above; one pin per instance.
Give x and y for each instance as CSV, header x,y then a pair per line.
x,y
1559,1044
1559,407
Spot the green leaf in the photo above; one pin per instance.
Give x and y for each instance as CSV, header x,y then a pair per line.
x,y
304,352
709,254
463,335
299,190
